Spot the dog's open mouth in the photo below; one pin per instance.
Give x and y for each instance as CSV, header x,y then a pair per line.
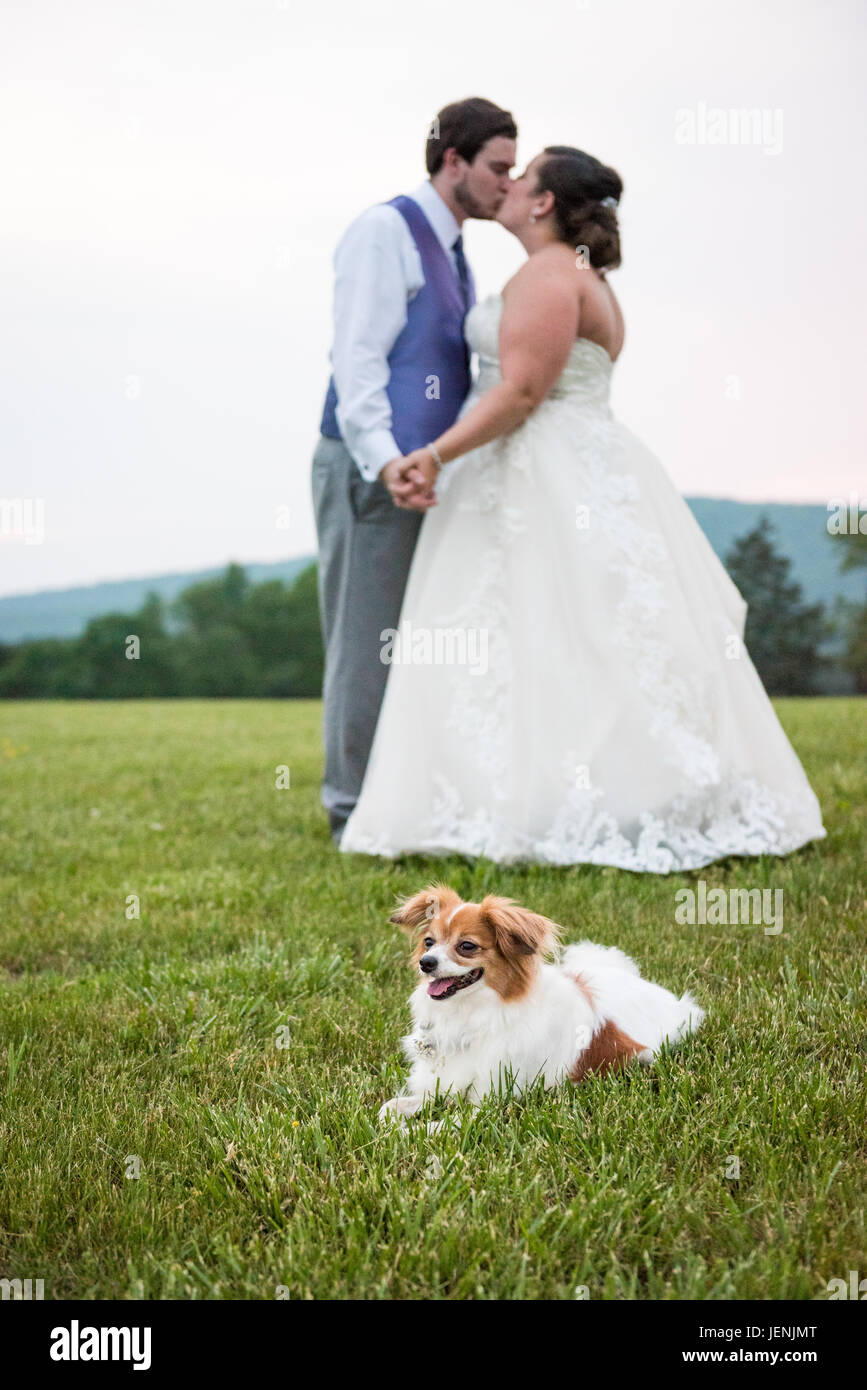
x,y
448,985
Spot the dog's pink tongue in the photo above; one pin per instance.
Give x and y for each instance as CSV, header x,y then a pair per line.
x,y
438,987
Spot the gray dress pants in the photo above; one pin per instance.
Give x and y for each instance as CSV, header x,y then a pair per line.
x,y
366,545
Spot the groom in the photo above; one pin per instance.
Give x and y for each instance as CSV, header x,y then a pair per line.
x,y
400,375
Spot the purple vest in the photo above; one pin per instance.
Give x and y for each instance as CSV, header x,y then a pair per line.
x,y
429,364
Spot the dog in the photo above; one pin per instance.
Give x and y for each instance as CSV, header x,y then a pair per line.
x,y
488,1010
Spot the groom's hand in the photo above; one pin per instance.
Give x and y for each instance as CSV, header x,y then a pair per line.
x,y
408,485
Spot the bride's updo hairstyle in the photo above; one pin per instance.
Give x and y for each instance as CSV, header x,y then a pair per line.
x,y
579,184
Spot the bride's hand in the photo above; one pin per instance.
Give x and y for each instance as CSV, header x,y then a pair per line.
x,y
410,481
421,468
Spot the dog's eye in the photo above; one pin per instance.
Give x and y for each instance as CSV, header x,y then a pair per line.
x,y
429,941
467,947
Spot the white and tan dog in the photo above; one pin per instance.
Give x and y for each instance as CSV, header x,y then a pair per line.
x,y
488,1009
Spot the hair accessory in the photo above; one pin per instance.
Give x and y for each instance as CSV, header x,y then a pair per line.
x,y
609,202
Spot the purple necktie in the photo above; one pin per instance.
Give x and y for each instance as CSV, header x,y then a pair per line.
x,y
464,276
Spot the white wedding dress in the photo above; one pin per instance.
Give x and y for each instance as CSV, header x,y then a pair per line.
x,y
570,684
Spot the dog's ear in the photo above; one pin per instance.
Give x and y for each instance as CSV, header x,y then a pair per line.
x,y
518,932
422,907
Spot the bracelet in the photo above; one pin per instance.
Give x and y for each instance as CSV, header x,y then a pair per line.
x,y
432,448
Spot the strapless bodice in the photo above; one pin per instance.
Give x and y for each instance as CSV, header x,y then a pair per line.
x,y
585,379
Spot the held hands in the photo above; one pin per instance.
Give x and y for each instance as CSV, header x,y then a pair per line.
x,y
410,480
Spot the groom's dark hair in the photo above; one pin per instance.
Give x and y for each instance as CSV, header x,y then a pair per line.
x,y
466,126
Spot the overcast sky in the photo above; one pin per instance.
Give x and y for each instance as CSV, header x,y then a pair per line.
x,y
175,174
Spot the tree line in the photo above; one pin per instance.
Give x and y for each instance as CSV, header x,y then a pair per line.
x,y
230,637
220,637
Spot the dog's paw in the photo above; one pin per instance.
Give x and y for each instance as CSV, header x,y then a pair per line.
x,y
395,1109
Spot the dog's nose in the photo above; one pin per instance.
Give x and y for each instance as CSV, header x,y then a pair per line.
x,y
428,963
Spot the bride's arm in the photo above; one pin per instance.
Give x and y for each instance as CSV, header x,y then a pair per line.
x,y
538,326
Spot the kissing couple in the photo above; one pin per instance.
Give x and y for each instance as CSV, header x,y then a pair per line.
x,y
617,718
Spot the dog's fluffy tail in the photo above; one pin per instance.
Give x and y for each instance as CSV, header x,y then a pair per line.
x,y
644,1010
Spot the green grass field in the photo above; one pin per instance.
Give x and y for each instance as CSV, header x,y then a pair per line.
x,y
152,1043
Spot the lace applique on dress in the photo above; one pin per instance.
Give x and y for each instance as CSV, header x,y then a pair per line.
x,y
683,742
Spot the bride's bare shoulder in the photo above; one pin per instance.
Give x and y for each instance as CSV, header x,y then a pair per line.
x,y
552,263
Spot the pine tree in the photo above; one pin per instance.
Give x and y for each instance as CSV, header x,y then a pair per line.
x,y
783,634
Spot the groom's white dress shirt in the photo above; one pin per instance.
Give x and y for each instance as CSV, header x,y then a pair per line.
x,y
377,272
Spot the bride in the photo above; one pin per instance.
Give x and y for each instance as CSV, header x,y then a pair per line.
x,y
569,682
